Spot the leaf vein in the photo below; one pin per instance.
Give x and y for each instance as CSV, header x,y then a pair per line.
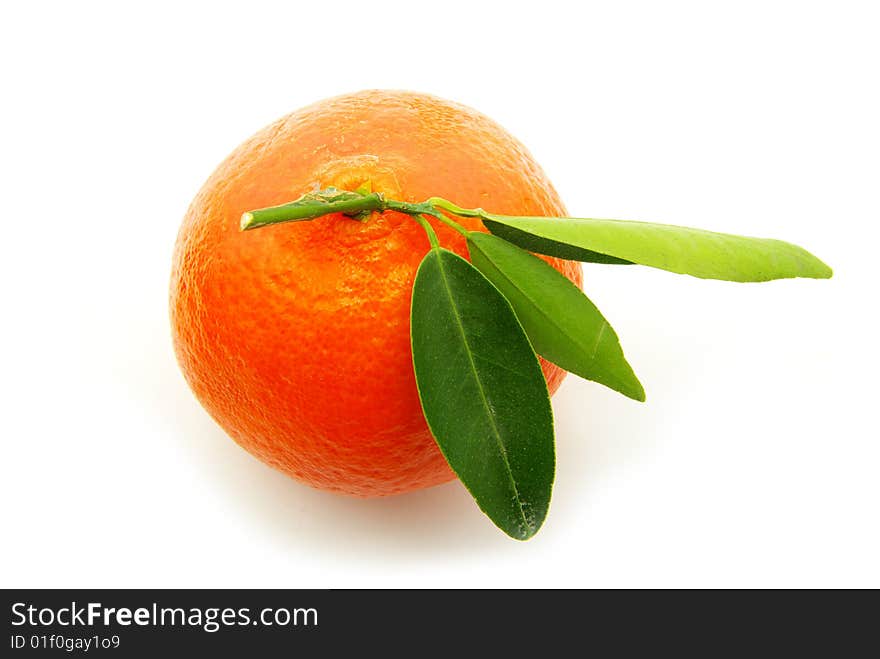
x,y
496,433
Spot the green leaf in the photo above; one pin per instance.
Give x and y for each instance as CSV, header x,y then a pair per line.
x,y
562,323
695,252
555,248
483,393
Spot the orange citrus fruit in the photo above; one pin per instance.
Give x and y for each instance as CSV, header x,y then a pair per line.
x,y
295,338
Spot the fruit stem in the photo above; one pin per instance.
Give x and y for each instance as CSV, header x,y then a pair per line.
x,y
313,205
358,205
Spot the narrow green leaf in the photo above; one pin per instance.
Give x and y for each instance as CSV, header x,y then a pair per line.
x,y
562,323
483,393
695,252
555,248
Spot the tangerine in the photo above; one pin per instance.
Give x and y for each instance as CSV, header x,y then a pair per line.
x,y
296,338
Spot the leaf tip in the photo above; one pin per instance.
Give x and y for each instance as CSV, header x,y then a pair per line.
x,y
640,394
630,386
633,390
526,532
246,221
814,267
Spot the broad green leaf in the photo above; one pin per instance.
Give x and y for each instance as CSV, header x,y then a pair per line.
x,y
482,391
562,323
695,252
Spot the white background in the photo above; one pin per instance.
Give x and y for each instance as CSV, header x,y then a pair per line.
x,y
755,460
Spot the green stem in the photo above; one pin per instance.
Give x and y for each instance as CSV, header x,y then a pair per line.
x,y
407,208
439,202
448,221
311,206
359,206
432,235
